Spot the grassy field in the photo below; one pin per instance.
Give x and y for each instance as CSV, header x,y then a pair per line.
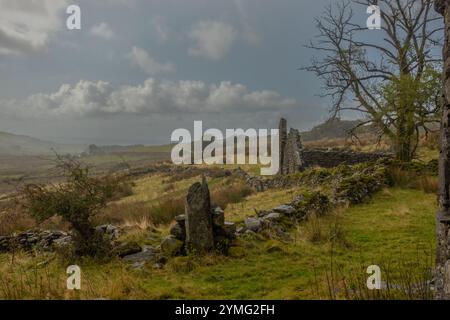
x,y
327,258
396,225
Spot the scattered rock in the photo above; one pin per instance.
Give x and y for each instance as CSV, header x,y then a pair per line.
x,y
141,257
111,231
126,249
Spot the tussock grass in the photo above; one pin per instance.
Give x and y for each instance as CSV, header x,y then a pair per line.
x,y
410,179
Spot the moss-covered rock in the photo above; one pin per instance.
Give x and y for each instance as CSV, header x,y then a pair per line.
x,y
311,202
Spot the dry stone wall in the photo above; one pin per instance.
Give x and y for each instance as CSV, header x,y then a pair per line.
x,y
294,158
330,158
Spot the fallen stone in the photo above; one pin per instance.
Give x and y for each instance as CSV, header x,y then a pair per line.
x,y
178,232
241,230
218,217
140,257
274,216
285,209
229,227
263,213
126,248
253,224
111,231
62,242
181,220
170,246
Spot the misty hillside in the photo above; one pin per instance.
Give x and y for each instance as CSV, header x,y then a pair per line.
x,y
334,128
12,144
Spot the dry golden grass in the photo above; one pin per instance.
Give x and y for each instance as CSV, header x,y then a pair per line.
x,y
414,180
14,220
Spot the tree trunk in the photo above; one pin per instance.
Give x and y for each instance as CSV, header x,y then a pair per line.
x,y
405,134
442,270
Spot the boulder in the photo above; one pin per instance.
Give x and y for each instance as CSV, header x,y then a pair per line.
x,y
111,231
126,248
141,257
274,216
253,224
218,217
181,220
178,232
229,227
170,246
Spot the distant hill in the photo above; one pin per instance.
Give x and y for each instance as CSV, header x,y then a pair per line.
x,y
12,144
334,128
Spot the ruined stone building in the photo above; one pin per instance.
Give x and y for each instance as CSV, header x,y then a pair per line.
x,y
291,150
295,158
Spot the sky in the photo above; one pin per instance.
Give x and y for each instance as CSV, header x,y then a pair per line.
x,y
137,70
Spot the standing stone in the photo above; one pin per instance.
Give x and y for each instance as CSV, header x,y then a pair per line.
x,y
199,232
282,130
442,273
292,153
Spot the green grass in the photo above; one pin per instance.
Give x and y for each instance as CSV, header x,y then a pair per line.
x,y
397,224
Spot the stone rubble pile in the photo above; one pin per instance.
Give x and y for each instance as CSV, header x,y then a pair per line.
x,y
31,239
47,240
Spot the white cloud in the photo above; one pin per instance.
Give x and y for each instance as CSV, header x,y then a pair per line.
x,y
103,30
27,25
152,97
212,39
142,59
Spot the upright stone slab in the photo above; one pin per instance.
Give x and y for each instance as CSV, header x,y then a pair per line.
x,y
199,230
442,272
292,153
282,131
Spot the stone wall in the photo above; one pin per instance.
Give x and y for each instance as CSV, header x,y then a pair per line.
x,y
329,158
294,158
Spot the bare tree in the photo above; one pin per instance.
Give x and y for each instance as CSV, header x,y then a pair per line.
x,y
391,76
